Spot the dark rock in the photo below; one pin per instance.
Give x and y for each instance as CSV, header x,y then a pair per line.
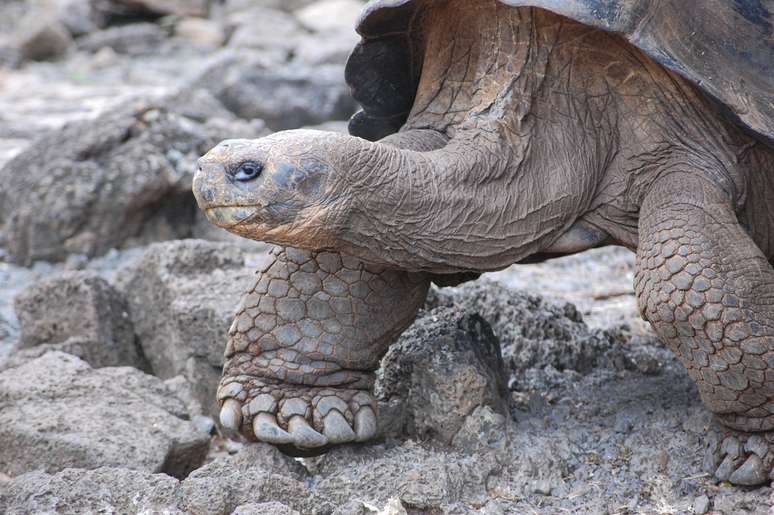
x,y
291,96
136,39
440,370
57,412
182,296
81,312
118,11
533,332
41,37
123,178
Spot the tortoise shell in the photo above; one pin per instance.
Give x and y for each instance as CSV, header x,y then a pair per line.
x,y
724,47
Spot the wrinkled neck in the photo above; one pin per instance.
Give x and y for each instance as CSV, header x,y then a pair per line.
x,y
469,205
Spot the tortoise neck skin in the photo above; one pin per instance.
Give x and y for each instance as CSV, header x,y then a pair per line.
x,y
530,135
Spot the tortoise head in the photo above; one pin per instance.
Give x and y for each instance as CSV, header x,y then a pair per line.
x,y
270,187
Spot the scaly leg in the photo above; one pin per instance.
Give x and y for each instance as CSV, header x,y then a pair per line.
x,y
303,346
709,293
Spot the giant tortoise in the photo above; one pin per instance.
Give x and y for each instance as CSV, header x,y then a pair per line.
x,y
512,131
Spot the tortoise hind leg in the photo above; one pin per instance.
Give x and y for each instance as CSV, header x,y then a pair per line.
x,y
303,346
708,291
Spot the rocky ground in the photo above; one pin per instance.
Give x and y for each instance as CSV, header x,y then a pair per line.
x,y
532,390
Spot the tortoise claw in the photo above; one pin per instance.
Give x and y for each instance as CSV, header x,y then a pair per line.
x,y
231,414
266,429
303,435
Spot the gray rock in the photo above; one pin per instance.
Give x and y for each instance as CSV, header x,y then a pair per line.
x,y
334,48
533,332
96,353
291,96
227,483
182,296
483,430
420,478
136,39
75,15
10,57
84,313
57,412
701,505
254,456
105,490
41,36
264,508
330,15
284,5
123,178
218,488
440,370
113,10
201,31
246,30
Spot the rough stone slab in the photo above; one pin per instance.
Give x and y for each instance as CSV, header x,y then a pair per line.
x,y
257,478
122,178
182,296
57,412
439,371
419,477
291,96
110,9
75,491
83,312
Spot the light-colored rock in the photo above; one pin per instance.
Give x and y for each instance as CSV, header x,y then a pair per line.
x,y
415,475
182,296
136,39
83,313
120,179
328,15
75,491
334,48
244,482
291,96
57,412
264,508
201,31
265,29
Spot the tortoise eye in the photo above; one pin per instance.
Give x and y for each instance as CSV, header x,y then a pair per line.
x,y
248,171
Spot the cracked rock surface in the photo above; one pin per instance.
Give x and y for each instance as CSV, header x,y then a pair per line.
x,y
57,412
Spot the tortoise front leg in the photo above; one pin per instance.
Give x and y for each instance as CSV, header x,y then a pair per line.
x,y
304,344
709,293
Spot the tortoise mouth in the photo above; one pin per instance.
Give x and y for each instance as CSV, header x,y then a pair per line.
x,y
230,216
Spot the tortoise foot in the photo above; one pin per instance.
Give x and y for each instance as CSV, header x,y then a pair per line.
x,y
296,416
739,457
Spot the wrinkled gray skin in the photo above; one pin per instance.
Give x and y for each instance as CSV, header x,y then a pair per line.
x,y
530,136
